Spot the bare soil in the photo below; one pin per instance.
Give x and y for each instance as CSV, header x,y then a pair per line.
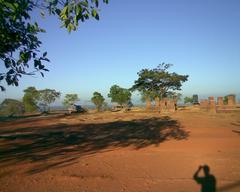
x,y
115,152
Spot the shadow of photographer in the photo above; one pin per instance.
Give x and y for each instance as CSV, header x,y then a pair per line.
x,y
208,181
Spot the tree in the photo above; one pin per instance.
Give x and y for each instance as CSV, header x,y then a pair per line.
x,y
11,107
70,99
119,95
188,100
48,96
30,99
19,43
158,82
98,100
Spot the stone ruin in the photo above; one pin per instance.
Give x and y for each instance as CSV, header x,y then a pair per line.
x,y
210,104
163,105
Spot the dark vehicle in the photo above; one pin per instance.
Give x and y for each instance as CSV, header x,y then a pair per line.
x,y
79,109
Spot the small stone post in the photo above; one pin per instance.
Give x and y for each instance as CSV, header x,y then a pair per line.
x,y
157,104
231,100
220,101
148,104
212,104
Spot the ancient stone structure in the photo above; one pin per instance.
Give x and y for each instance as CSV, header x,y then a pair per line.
x,y
220,101
212,104
157,104
171,105
231,100
148,104
165,105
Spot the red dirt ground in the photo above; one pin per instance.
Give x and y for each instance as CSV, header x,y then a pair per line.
x,y
111,152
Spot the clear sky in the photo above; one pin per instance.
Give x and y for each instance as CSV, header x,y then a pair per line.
x,y
200,37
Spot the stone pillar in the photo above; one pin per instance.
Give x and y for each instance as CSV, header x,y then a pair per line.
x,y
212,104
171,105
164,104
175,104
148,104
157,104
220,101
231,100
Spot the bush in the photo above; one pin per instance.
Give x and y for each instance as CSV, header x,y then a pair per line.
x,y
11,107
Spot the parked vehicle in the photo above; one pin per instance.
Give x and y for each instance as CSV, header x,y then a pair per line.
x,y
117,108
76,109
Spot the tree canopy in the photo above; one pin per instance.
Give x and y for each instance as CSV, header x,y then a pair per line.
x,y
158,82
30,99
98,100
70,99
188,100
19,43
48,96
119,95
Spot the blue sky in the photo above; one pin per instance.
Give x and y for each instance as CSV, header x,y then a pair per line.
x,y
200,37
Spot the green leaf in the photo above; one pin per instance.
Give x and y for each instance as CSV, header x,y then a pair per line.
x,y
58,11
36,63
2,88
7,62
64,11
44,54
75,20
94,13
96,3
69,28
84,3
42,13
11,71
41,66
97,17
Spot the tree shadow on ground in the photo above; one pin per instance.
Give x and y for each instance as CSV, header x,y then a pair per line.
x,y
33,117
60,145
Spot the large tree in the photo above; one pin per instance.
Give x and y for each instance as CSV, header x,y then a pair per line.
x,y
30,99
98,100
19,43
119,95
158,82
48,96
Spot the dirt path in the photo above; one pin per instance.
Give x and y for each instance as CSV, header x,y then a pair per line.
x,y
119,152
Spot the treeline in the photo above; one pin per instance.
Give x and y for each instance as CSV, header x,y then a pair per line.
x,y
151,84
39,100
